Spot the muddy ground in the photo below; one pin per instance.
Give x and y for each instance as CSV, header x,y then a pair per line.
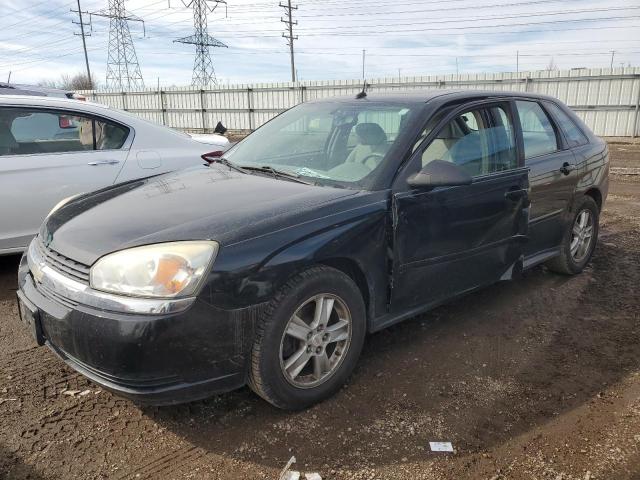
x,y
533,379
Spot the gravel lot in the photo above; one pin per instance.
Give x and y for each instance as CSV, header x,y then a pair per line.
x,y
533,379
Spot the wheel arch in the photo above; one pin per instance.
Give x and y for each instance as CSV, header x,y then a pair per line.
x,y
595,193
353,270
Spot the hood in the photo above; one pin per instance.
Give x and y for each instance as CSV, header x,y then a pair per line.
x,y
214,203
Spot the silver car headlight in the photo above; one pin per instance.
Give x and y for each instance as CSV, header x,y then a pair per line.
x,y
163,270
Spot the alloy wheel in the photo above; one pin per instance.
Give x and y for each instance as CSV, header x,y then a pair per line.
x,y
581,236
315,341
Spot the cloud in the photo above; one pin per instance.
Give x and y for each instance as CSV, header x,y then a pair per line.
x,y
418,38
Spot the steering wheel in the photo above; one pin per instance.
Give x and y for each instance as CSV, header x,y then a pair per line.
x,y
378,156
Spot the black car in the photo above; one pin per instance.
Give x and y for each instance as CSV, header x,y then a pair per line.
x,y
337,218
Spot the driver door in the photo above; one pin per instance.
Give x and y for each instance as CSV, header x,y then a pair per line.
x,y
450,240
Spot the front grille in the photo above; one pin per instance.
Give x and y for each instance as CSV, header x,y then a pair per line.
x,y
66,266
52,295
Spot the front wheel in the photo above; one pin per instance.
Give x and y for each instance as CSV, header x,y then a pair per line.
x,y
579,240
309,340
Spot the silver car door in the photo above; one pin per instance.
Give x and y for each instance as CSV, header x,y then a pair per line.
x,y
46,156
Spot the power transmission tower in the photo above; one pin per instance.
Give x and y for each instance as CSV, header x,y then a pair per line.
x,y
290,22
203,71
123,69
83,34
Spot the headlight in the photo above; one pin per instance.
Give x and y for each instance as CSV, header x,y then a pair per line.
x,y
166,270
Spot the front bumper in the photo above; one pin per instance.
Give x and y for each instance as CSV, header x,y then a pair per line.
x,y
157,359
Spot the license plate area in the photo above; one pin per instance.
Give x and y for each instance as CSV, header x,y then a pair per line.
x,y
30,316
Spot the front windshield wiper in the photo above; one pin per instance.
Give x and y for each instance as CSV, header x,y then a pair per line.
x,y
277,173
226,163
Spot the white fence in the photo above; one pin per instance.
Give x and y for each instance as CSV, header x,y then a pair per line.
x,y
606,99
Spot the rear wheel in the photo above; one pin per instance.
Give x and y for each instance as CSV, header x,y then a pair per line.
x,y
309,340
579,240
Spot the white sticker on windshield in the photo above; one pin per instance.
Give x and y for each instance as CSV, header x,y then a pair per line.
x,y
307,172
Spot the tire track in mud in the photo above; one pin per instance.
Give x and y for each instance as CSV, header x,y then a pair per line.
x,y
166,464
36,376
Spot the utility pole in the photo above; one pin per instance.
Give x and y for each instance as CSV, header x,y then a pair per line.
x,y
203,71
517,62
457,74
364,52
84,42
9,79
399,79
290,22
123,69
613,52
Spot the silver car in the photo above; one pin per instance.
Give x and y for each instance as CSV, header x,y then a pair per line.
x,y
54,148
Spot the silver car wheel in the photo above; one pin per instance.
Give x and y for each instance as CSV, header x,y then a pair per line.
x,y
581,236
315,341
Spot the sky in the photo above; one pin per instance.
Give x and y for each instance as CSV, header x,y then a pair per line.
x,y
39,41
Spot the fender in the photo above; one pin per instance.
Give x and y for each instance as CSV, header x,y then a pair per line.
x,y
355,243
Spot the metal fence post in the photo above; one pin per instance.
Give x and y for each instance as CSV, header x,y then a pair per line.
x,y
163,106
634,133
203,111
250,107
124,101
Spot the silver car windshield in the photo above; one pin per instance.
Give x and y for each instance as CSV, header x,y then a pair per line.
x,y
329,143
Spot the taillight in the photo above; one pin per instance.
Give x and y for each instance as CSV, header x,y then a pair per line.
x,y
212,156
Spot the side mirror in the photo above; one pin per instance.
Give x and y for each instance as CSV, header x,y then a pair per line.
x,y
439,173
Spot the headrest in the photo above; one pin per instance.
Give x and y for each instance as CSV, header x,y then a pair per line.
x,y
371,134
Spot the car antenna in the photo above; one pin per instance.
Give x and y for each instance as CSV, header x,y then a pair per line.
x,y
363,93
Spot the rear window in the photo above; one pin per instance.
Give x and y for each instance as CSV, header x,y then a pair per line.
x,y
571,131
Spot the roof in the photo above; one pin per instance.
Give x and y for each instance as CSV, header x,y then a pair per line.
x,y
423,96
31,90
49,102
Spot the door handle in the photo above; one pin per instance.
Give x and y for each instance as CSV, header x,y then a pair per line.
x,y
515,195
567,168
103,162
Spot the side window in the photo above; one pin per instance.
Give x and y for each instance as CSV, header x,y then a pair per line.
x,y
25,131
480,141
537,130
109,136
574,135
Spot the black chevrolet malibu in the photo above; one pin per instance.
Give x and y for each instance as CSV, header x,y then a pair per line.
x,y
338,217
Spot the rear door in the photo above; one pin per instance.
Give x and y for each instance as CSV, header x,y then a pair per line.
x,y
552,176
450,240
47,155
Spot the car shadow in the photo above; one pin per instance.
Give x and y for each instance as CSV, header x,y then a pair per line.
x,y
8,276
11,467
484,369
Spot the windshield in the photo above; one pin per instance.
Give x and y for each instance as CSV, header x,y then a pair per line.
x,y
332,143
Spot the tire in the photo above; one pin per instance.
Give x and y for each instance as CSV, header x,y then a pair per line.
x,y
567,262
305,294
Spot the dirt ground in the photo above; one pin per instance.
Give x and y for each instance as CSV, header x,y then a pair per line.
x,y
533,379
